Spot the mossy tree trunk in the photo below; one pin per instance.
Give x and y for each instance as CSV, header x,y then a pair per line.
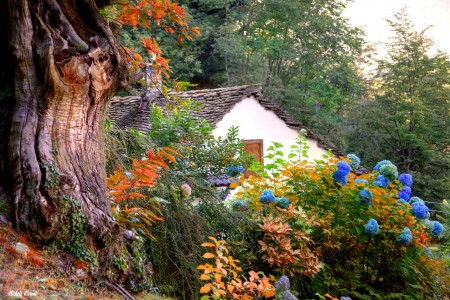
x,y
61,63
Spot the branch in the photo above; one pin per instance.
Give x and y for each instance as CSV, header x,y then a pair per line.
x,y
66,28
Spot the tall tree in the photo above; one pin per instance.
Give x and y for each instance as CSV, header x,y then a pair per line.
x,y
411,107
61,62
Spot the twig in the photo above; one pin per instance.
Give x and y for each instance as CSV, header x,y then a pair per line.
x,y
119,289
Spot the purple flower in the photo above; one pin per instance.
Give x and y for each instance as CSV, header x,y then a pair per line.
x,y
283,284
406,179
345,298
420,210
288,296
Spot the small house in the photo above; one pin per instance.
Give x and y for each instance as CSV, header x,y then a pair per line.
x,y
259,119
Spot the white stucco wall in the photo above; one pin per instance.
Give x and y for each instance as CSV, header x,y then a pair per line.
x,y
255,122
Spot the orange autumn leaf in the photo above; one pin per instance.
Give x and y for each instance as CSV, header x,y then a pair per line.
x,y
208,255
206,288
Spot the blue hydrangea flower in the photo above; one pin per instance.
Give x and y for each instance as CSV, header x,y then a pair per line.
x,y
365,197
405,237
283,202
406,179
360,181
389,171
420,210
287,295
429,224
402,201
234,171
340,176
283,284
355,161
405,193
344,166
267,197
437,228
381,181
381,163
372,227
415,199
240,205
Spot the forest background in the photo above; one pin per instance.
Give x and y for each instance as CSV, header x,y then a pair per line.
x,y
314,63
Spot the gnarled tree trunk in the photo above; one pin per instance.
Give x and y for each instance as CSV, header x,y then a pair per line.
x,y
61,62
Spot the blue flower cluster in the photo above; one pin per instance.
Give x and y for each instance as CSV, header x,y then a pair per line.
x,y
406,179
283,202
267,197
389,171
282,289
365,197
420,210
402,201
345,298
381,181
381,163
355,161
413,200
240,205
283,284
405,237
437,228
341,174
360,181
234,171
405,193
372,227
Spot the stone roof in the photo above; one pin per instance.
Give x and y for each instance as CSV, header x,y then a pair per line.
x,y
124,112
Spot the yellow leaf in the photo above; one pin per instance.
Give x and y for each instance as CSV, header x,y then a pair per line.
x,y
208,255
234,185
207,245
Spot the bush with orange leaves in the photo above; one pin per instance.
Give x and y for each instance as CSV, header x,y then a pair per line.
x,y
224,278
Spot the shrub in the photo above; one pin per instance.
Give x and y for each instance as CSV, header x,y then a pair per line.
x,y
353,238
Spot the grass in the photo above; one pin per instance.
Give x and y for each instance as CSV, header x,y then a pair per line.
x,y
45,274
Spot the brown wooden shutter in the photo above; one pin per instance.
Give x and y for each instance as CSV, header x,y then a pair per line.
x,y
254,147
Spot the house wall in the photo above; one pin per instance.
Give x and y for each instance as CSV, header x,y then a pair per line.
x,y
255,122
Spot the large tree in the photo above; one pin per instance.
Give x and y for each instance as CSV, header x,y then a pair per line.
x,y
410,111
60,64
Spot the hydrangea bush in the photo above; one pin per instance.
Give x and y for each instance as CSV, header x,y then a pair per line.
x,y
356,234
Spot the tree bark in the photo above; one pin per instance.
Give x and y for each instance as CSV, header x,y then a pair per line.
x,y
63,63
